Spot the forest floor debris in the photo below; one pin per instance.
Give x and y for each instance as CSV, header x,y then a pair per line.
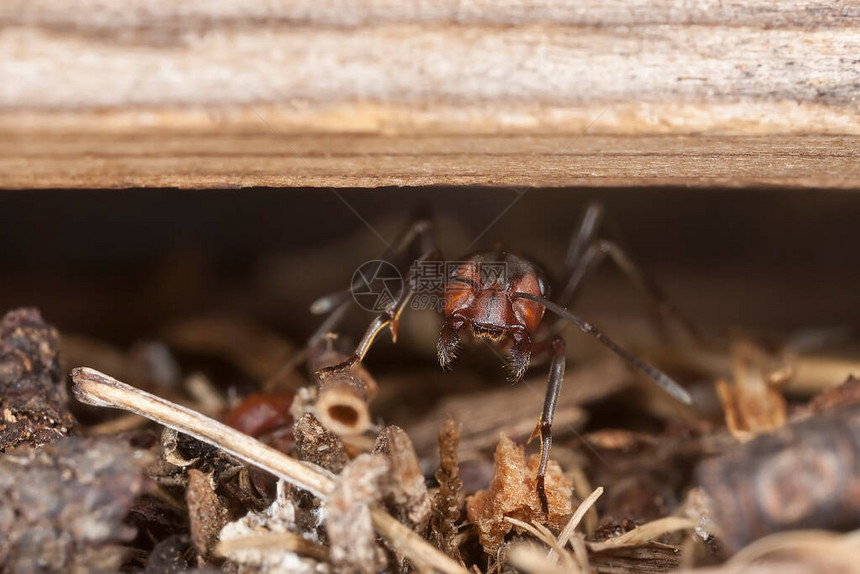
x,y
291,494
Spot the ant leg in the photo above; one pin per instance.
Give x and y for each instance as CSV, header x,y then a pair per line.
x,y
324,329
420,230
662,309
544,428
658,376
587,252
584,235
388,318
337,304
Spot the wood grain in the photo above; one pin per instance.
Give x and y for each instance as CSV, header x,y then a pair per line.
x,y
377,92
189,160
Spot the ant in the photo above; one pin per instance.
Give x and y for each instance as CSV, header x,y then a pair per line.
x,y
501,298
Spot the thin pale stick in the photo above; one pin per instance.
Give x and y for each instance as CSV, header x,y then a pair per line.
x,y
575,519
642,534
95,388
539,531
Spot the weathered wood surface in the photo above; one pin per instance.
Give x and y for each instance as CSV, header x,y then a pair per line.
x,y
207,160
369,93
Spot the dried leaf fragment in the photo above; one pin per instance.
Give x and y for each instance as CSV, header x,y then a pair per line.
x,y
513,493
316,444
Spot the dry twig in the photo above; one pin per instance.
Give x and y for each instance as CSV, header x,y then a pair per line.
x,y
287,541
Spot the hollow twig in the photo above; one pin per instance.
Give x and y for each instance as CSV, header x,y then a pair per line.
x,y
344,394
95,388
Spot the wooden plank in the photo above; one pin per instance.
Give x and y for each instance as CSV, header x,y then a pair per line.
x,y
97,14
191,160
543,92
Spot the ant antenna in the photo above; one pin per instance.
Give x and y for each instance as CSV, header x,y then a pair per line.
x,y
665,382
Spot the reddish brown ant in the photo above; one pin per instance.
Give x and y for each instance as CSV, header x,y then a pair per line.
x,y
506,306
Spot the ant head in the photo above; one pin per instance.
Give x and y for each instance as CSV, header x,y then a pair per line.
x,y
479,294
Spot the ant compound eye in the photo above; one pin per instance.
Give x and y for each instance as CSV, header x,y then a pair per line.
x,y
544,287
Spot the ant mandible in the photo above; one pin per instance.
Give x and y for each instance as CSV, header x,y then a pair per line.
x,y
506,307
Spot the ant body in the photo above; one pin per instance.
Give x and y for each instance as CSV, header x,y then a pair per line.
x,y
502,298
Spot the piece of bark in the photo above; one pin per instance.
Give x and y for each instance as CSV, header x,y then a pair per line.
x,y
405,491
33,400
353,542
207,515
803,476
62,507
316,444
448,501
513,493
